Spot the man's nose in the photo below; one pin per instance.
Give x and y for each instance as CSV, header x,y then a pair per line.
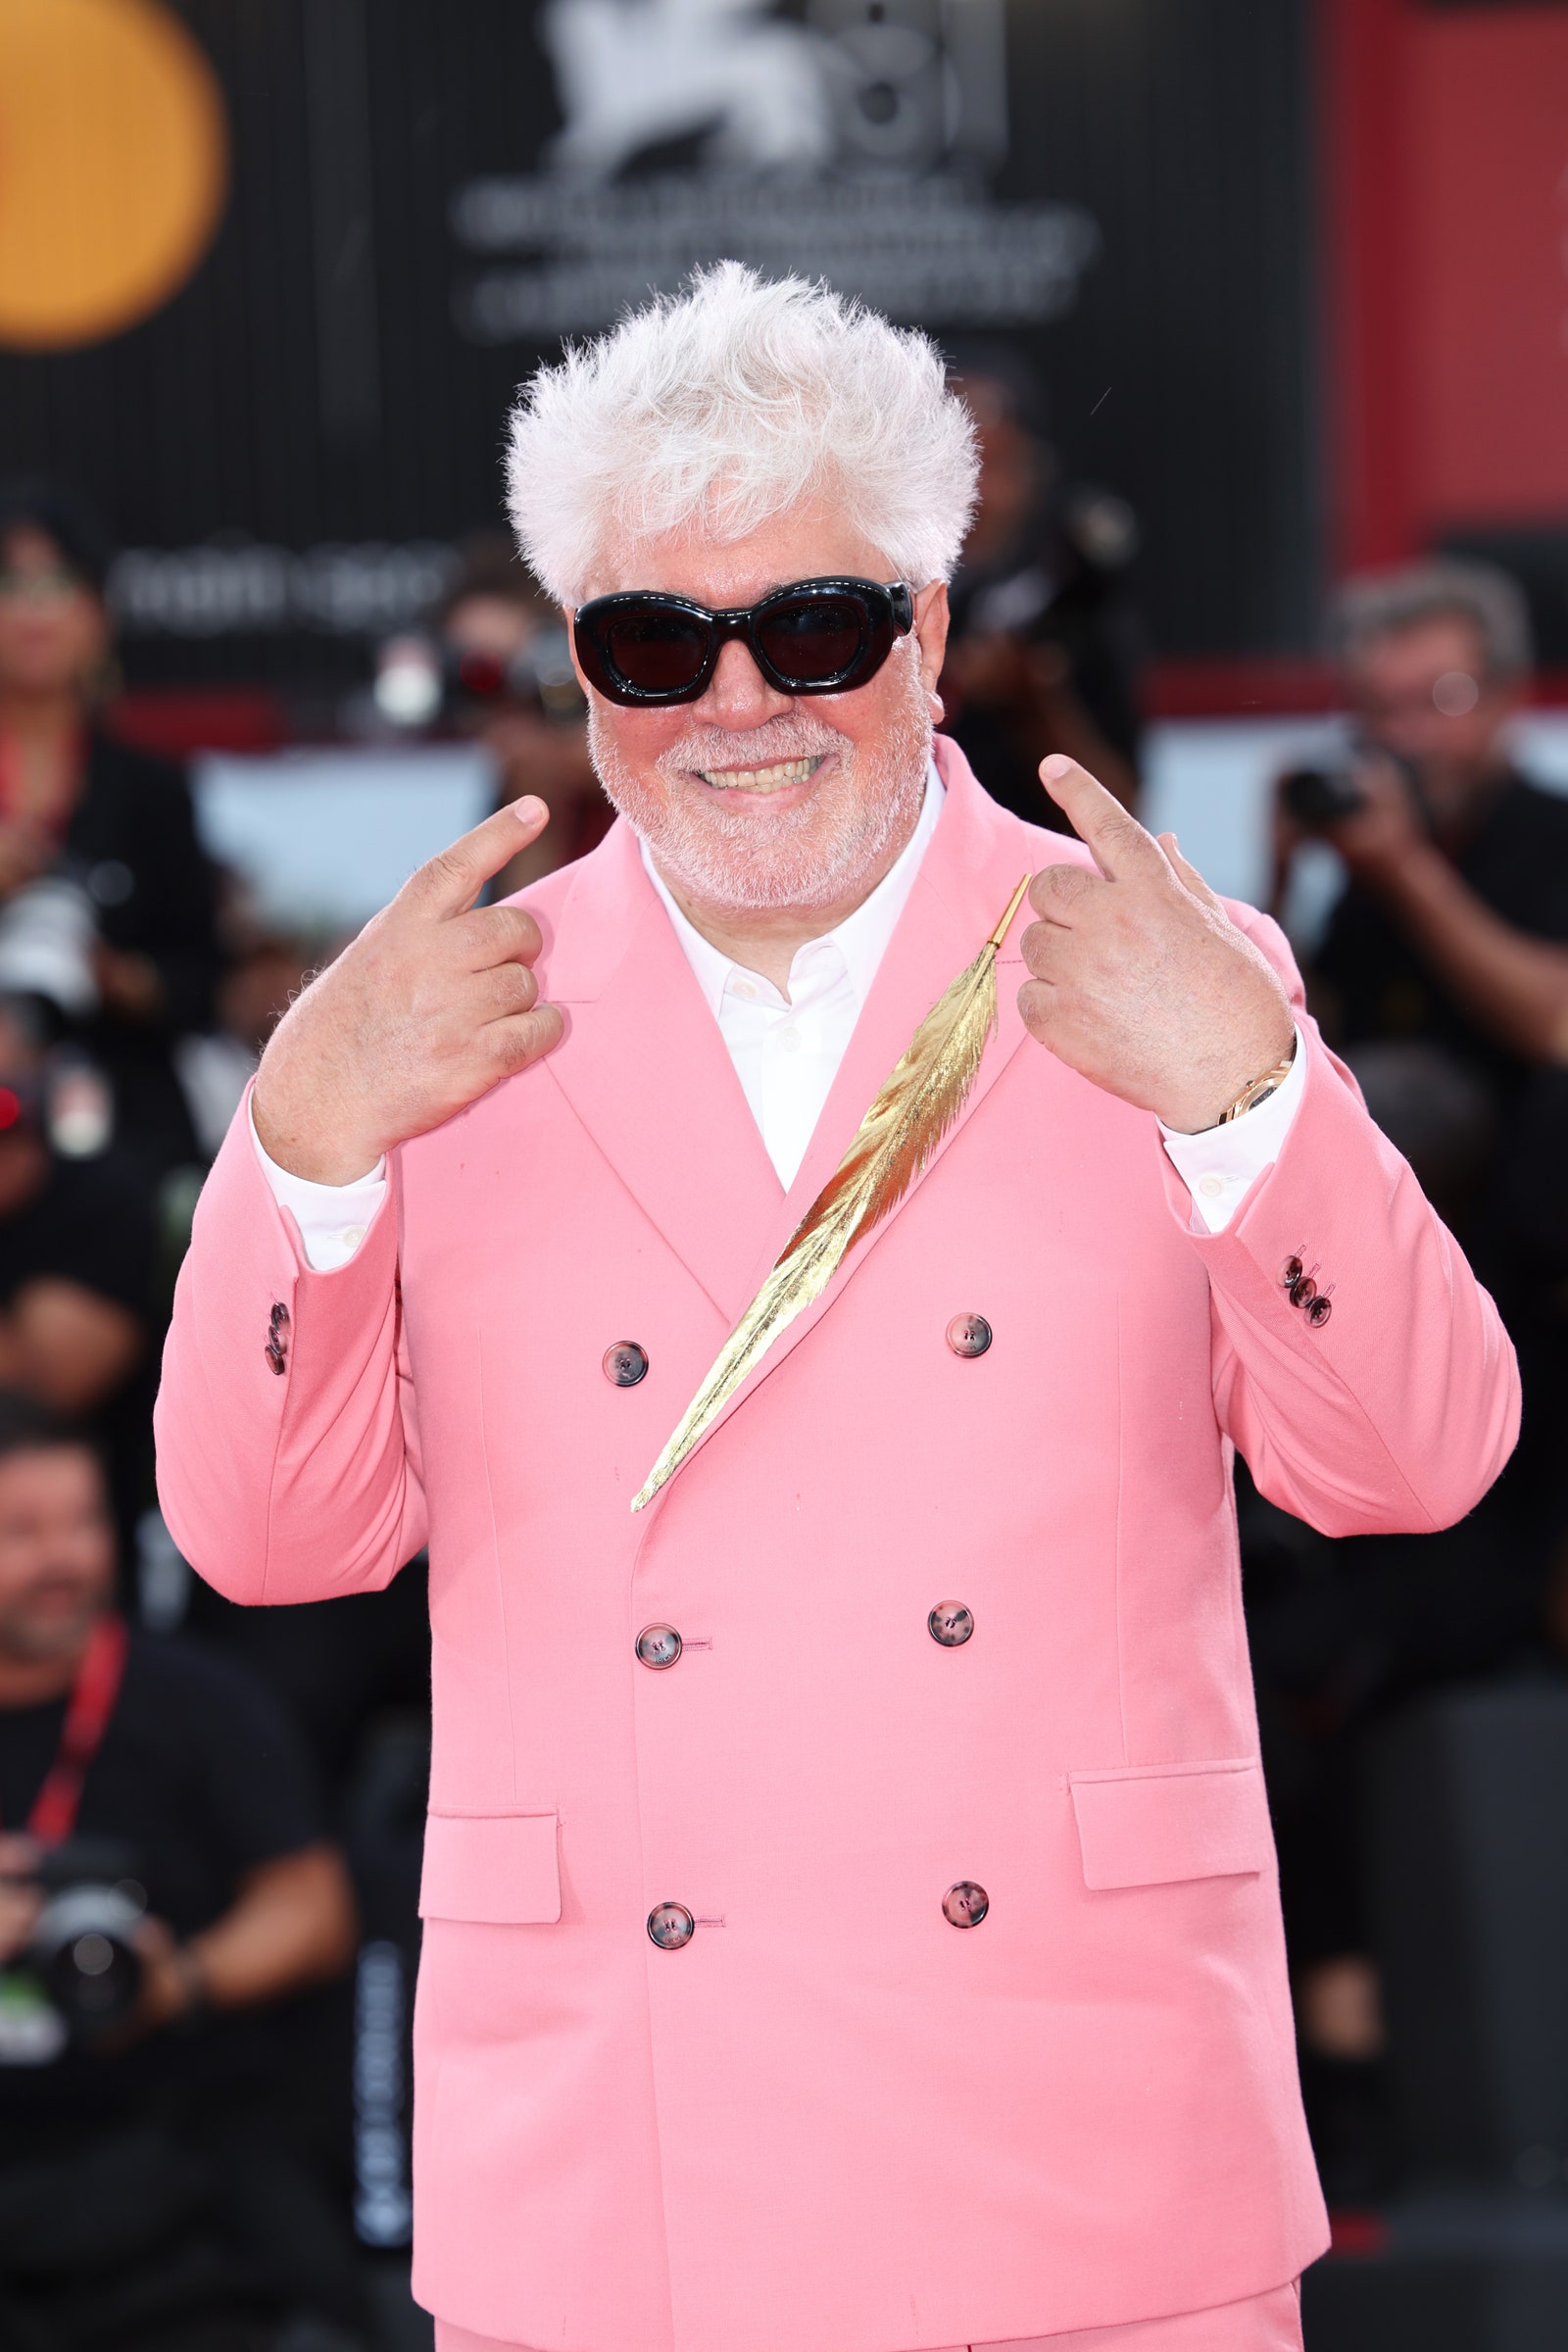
x,y
738,695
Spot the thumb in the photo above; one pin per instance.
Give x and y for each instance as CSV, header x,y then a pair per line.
x,y
450,882
1187,875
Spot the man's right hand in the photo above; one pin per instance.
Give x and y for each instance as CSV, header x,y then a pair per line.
x,y
428,1009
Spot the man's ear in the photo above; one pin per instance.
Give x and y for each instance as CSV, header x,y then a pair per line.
x,y
931,618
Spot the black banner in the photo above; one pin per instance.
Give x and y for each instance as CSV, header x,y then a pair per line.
x,y
425,195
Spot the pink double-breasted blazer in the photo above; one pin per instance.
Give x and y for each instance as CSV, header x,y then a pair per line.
x,y
832,2119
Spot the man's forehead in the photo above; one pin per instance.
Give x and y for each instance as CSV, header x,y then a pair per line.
x,y
1415,643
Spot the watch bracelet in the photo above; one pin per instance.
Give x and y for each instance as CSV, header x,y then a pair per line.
x,y
1258,1091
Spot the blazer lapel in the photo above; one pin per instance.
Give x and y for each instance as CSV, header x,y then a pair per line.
x,y
645,1068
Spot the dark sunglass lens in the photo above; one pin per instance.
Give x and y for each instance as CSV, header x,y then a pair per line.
x,y
814,637
656,651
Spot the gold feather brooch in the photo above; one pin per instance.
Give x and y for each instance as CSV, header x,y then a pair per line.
x,y
892,1147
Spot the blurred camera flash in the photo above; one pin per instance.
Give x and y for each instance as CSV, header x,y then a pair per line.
x,y
408,686
1456,693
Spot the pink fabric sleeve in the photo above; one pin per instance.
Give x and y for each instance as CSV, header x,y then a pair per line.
x,y
301,1480
1397,1410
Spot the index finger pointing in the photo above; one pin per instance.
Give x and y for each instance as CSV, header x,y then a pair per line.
x,y
450,882
1112,836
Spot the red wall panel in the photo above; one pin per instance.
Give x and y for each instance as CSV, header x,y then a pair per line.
x,y
1487,149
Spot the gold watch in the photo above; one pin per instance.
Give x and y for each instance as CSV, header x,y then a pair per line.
x,y
1260,1090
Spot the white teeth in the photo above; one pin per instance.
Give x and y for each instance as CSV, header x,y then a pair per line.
x,y
761,779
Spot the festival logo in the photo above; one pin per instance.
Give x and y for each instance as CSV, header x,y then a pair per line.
x,y
854,143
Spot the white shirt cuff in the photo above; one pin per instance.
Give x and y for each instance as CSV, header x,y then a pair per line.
x,y
1220,1166
333,1218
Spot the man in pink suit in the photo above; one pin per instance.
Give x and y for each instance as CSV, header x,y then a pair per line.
x,y
851,1919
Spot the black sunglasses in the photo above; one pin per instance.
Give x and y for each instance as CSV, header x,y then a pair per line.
x,y
813,637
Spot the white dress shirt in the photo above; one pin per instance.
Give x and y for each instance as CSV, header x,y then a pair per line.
x,y
787,1048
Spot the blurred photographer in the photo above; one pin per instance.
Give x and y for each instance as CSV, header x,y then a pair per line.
x,y
164,1886
1442,974
1443,978
107,901
1452,924
495,667
1043,652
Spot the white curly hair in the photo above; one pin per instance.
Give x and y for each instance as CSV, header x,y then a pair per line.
x,y
728,404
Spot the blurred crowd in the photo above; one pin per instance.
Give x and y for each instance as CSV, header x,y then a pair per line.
x,y
210,1818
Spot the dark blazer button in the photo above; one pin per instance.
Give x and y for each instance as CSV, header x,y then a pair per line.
x,y
1304,1289
669,1925
278,1318
951,1624
276,1357
1290,1272
658,1646
625,1363
968,1334
1318,1313
966,1905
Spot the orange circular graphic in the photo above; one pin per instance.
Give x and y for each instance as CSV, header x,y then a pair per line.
x,y
112,167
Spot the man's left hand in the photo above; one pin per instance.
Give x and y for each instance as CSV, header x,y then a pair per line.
x,y
1141,982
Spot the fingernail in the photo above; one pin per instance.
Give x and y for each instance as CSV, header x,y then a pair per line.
x,y
1057,766
527,809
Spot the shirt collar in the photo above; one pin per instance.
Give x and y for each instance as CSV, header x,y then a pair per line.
x,y
861,939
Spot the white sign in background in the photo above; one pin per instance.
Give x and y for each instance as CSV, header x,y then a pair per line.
x,y
324,837
1211,783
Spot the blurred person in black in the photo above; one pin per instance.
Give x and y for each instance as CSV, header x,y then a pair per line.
x,y
1443,978
107,902
75,1246
1043,652
154,2191
264,973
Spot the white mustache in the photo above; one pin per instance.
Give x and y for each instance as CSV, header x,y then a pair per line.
x,y
757,746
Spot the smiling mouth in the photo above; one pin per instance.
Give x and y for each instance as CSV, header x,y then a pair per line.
x,y
762,779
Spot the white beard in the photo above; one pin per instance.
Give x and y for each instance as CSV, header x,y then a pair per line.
x,y
816,854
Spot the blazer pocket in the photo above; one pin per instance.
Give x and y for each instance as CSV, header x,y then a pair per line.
x,y
1148,1825
500,1869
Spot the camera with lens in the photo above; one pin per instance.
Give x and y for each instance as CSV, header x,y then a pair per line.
x,y
1320,796
80,1974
